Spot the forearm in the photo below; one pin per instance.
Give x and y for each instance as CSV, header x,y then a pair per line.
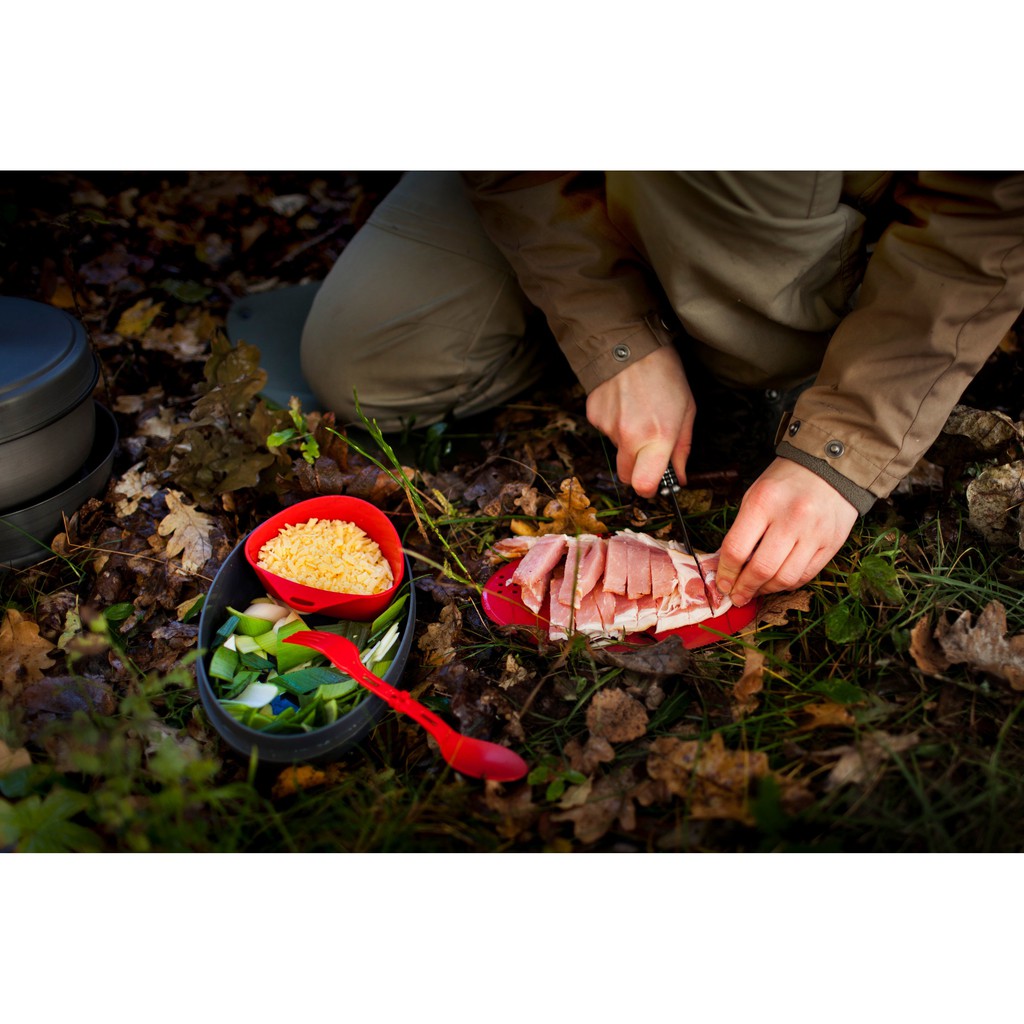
x,y
942,288
600,299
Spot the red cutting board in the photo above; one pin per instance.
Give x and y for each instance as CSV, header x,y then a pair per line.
x,y
503,605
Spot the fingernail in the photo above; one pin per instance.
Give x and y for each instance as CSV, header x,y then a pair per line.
x,y
724,586
739,600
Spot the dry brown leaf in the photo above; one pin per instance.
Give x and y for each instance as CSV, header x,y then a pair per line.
x,y
188,531
994,499
773,608
23,652
862,762
517,809
616,716
667,657
712,779
513,673
610,798
438,641
751,683
570,511
985,646
12,760
597,750
825,715
133,487
925,651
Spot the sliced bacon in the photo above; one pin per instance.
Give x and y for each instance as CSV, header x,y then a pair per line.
x,y
534,572
609,587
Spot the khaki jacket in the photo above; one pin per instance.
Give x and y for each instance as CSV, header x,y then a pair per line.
x,y
893,288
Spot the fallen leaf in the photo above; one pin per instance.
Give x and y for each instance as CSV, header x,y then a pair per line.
x,y
616,716
513,673
188,531
12,760
297,778
517,809
132,488
927,654
23,652
751,683
984,647
994,499
824,715
570,512
668,657
772,609
863,761
713,780
597,750
609,800
438,641
134,322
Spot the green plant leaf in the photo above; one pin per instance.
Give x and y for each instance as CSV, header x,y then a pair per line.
x,y
844,623
876,578
840,691
33,825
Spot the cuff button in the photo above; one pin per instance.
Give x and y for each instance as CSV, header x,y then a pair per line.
x,y
621,352
793,428
835,449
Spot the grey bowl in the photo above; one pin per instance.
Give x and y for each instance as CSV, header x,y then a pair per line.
x,y
47,373
236,582
26,533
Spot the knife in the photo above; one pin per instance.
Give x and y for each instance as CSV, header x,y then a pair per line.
x,y
670,486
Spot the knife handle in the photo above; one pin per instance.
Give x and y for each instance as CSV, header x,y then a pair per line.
x,y
669,483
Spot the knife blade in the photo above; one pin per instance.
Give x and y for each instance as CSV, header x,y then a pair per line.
x,y
670,486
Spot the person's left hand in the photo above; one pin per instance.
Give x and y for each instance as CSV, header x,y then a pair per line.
x,y
790,524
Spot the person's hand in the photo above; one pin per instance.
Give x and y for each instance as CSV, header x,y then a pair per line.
x,y
790,524
647,411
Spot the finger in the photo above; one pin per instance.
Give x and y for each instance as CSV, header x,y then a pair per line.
x,y
738,546
651,462
680,456
780,563
624,461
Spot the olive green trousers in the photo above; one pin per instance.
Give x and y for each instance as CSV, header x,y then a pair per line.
x,y
422,317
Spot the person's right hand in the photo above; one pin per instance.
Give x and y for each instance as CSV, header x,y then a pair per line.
x,y
647,411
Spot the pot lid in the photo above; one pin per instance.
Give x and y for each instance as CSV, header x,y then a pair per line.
x,y
46,366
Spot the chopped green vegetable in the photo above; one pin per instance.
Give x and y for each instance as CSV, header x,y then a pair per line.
x,y
224,663
250,667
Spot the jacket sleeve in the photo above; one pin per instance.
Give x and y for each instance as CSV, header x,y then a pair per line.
x,y
601,301
943,286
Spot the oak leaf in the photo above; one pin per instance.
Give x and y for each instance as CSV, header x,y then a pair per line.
x,y
23,652
188,531
772,609
994,499
667,657
570,512
134,486
985,646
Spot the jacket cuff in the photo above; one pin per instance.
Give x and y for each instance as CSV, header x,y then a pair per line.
x,y
619,349
858,497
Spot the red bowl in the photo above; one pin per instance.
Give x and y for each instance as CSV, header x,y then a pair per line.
x,y
302,598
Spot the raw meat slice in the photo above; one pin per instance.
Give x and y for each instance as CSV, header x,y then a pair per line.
x,y
638,569
615,564
534,572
